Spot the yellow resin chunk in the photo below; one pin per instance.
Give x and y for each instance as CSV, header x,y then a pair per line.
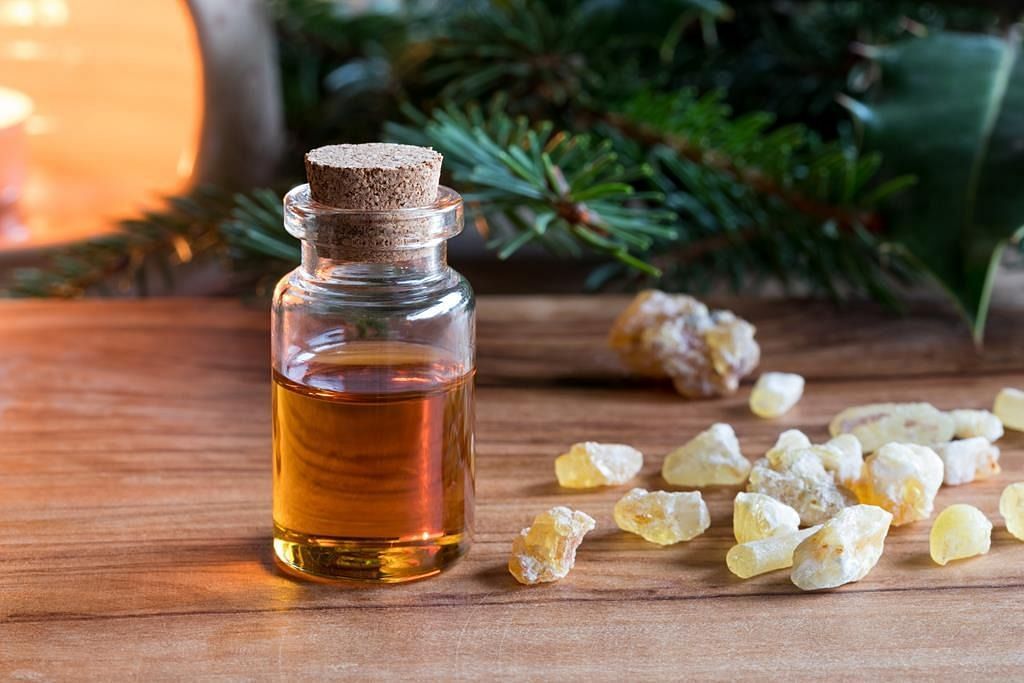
x,y
789,440
960,531
841,457
756,516
1011,507
589,465
799,479
546,550
968,424
766,554
712,458
663,517
903,479
843,550
877,424
1009,408
968,459
775,394
704,352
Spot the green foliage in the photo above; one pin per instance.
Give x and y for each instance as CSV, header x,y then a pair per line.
x,y
551,58
337,76
159,240
967,93
793,58
258,244
611,133
561,190
760,200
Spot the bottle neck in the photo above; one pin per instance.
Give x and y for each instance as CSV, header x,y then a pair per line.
x,y
328,264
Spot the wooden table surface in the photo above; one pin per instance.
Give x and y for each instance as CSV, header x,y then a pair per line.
x,y
135,504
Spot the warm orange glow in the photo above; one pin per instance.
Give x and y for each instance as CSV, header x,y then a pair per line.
x,y
15,107
117,88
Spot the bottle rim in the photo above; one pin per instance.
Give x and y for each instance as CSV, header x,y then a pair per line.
x,y
310,220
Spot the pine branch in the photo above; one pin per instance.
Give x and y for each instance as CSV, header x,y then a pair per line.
x,y
185,229
744,149
751,177
529,183
549,58
665,181
744,198
206,223
752,200
259,246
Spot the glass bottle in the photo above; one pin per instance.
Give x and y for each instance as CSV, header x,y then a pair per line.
x,y
373,362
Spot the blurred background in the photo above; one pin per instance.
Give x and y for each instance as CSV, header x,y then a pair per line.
x,y
846,149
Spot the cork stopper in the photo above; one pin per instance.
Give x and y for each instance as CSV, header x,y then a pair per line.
x,y
374,202
373,177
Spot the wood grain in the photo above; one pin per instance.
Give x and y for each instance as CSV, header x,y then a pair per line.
x,y
135,499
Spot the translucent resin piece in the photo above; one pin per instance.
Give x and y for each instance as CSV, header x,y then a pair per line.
x,y
968,424
967,460
799,480
775,394
756,516
1009,408
789,440
766,554
704,352
843,457
960,531
1011,507
712,458
903,479
663,517
877,424
546,550
843,550
630,334
589,465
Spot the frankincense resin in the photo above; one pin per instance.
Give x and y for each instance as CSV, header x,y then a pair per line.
x,y
1011,507
663,517
877,424
704,352
775,393
756,516
843,457
766,554
903,479
960,531
590,464
972,423
965,460
546,550
789,440
798,478
712,458
843,550
1009,408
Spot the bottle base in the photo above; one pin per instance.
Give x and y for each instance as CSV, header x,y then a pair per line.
x,y
367,560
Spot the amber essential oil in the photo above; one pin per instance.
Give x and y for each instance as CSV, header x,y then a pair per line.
x,y
373,353
373,461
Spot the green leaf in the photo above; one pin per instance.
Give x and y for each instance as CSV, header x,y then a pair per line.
x,y
951,111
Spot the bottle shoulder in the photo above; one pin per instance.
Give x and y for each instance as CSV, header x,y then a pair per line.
x,y
448,290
